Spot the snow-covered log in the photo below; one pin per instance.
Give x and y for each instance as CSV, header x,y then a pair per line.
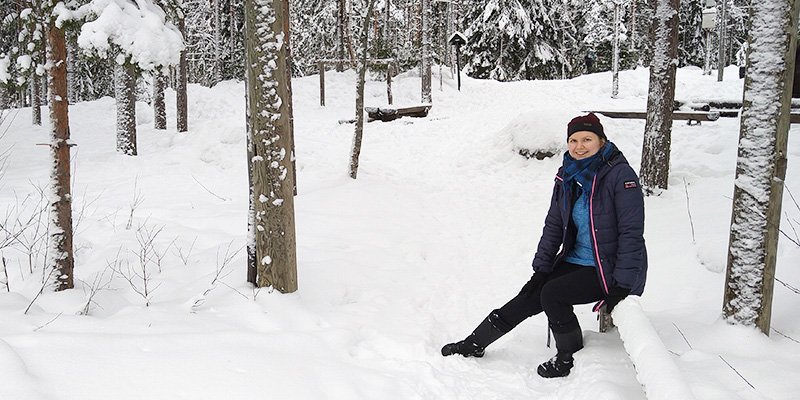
x,y
655,370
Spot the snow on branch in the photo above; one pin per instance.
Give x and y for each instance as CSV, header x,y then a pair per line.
x,y
139,29
655,370
4,63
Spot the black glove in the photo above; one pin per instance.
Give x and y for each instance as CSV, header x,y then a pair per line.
x,y
614,296
537,281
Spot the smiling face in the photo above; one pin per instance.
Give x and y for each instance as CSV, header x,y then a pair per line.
x,y
584,144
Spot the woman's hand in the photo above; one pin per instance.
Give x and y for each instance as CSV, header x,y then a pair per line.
x,y
614,296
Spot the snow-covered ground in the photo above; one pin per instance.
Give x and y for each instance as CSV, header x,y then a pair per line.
x,y
438,230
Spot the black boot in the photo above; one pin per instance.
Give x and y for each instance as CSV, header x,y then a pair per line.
x,y
566,344
474,345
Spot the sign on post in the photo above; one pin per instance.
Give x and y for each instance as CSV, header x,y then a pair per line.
x,y
458,39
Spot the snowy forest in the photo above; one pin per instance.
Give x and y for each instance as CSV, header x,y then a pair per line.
x,y
508,40
203,197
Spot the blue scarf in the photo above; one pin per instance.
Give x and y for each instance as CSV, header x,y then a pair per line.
x,y
583,171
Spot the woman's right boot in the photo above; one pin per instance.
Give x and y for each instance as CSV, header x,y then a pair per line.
x,y
567,344
491,329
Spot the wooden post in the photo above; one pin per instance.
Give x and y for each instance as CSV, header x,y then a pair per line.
x,y
321,83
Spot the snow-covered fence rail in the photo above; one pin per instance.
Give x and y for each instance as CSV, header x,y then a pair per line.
x,y
655,370
390,68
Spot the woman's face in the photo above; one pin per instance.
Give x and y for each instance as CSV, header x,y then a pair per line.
x,y
584,144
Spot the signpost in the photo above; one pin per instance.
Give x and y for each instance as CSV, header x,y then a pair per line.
x,y
458,39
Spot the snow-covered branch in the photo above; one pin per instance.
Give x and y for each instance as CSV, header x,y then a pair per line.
x,y
139,30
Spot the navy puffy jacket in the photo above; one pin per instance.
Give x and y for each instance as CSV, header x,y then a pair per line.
x,y
617,225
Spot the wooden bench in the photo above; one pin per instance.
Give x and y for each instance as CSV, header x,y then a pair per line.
x,y
689,116
391,114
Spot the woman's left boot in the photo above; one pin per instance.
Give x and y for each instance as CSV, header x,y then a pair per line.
x,y
566,344
489,330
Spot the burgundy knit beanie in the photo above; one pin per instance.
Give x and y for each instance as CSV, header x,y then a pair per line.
x,y
588,122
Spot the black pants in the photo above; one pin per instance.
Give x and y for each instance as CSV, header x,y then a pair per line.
x,y
567,285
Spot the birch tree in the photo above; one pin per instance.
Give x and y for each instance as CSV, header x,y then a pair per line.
x,y
761,164
362,71
271,230
654,172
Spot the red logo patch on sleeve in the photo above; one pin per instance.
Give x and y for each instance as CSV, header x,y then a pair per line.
x,y
630,184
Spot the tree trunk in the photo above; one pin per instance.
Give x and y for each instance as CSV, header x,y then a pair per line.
x,y
159,108
72,68
268,116
180,89
289,66
654,172
615,57
761,164
61,203
722,20
36,99
217,38
125,85
362,72
427,14
340,17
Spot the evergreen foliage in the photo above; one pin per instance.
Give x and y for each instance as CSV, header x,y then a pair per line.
x,y
508,39
691,46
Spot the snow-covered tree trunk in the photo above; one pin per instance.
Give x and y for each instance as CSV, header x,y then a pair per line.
x,y
216,75
125,92
159,108
61,255
72,68
654,172
615,59
36,99
271,162
290,104
355,152
761,164
341,15
722,21
182,78
427,15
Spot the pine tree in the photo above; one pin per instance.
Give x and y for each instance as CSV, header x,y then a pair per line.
x,y
271,229
128,54
61,203
658,126
761,164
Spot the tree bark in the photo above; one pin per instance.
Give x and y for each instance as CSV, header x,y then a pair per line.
x,y
289,66
362,72
427,14
722,19
36,99
159,108
761,164
180,89
217,38
61,203
654,172
269,116
125,85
